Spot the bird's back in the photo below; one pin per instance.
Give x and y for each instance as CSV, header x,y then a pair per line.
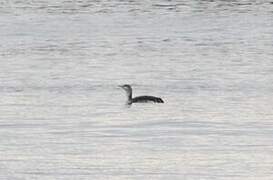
x,y
141,99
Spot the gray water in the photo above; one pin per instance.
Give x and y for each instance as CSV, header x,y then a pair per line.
x,y
62,115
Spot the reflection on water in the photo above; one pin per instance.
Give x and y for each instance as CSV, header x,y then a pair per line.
x,y
63,116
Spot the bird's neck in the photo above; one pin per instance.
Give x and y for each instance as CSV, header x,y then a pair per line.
x,y
129,95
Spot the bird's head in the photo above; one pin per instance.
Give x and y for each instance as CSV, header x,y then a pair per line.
x,y
126,87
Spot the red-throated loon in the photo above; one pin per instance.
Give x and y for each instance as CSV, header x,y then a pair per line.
x,y
139,99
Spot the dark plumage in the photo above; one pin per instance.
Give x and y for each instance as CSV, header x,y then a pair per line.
x,y
139,99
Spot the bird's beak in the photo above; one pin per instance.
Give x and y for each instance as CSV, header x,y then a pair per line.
x,y
120,86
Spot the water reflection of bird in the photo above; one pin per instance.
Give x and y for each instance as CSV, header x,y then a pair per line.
x,y
139,99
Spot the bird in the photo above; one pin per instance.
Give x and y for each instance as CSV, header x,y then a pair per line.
x,y
139,99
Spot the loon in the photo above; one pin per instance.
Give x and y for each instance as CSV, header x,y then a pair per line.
x,y
139,99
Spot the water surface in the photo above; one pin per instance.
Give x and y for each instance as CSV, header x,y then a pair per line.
x,y
62,115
